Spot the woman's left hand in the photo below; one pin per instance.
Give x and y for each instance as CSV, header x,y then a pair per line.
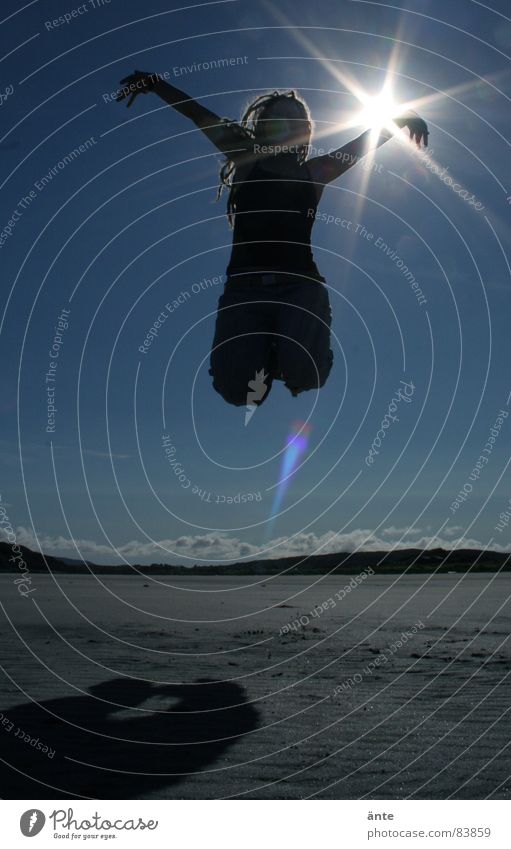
x,y
417,127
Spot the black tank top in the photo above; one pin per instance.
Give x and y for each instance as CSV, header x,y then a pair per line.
x,y
274,216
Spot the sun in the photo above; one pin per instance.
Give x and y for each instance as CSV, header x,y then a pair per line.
x,y
378,111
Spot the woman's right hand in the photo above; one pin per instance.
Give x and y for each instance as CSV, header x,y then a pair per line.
x,y
140,82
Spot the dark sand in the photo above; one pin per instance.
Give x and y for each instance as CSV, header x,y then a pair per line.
x,y
185,689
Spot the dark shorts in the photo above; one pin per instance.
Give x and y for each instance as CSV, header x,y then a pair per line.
x,y
270,327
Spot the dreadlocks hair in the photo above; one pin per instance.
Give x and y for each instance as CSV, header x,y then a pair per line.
x,y
250,129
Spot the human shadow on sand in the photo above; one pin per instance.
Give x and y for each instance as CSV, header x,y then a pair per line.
x,y
104,746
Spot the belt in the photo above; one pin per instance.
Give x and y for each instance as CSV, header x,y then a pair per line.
x,y
271,279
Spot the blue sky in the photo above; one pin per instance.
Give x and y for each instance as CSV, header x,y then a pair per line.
x,y
132,221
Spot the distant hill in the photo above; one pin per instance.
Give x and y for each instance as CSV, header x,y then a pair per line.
x,y
74,561
413,560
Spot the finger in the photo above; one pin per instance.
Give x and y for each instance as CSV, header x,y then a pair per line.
x,y
132,98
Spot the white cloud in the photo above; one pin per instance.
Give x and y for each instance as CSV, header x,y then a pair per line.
x,y
397,532
220,547
452,530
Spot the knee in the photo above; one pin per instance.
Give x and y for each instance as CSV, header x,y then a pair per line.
x,y
239,392
308,375
229,394
238,397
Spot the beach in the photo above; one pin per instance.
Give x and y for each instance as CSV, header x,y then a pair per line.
x,y
260,687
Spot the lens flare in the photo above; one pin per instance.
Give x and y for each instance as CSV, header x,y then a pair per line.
x,y
296,446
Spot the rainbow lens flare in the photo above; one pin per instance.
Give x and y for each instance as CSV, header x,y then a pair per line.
x,y
296,446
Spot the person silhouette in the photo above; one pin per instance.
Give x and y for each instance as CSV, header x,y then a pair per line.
x,y
274,315
104,745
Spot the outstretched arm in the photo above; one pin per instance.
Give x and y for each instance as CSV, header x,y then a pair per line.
x,y
230,138
324,169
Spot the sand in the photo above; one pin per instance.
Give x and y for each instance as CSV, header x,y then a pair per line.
x,y
187,688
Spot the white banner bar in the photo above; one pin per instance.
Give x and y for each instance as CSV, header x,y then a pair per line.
x,y
258,823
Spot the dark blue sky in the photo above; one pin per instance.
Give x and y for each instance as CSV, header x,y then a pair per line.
x,y
121,229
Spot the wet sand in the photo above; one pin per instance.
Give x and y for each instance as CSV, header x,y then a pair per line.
x,y
189,687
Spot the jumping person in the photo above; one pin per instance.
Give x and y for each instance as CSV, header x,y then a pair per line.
x,y
274,316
